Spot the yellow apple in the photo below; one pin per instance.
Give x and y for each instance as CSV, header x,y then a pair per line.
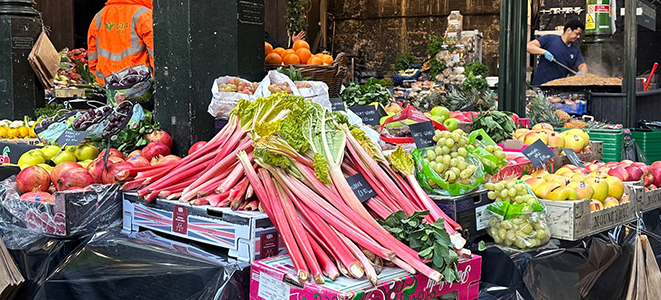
x,y
600,187
562,193
533,136
574,142
546,187
583,190
615,187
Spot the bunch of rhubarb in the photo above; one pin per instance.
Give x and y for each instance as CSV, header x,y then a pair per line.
x,y
212,175
302,185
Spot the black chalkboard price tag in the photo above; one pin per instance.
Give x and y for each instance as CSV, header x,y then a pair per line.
x,y
368,114
423,134
573,157
360,187
538,153
70,137
337,104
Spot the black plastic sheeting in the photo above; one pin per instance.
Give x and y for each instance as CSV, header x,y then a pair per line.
x,y
114,265
596,267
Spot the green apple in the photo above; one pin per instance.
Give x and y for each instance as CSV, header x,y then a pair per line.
x,y
38,152
64,156
86,152
85,163
438,119
50,151
440,111
451,124
30,159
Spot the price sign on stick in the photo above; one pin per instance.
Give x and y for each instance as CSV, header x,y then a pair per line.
x,y
423,134
70,137
573,157
368,114
538,153
360,187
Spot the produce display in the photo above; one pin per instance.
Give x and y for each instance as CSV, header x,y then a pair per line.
x,y
291,158
448,157
17,129
91,117
572,183
298,54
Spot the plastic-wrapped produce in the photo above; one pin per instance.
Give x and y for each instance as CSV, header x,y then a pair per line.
x,y
518,219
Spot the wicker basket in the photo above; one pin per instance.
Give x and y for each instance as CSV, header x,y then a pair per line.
x,y
333,74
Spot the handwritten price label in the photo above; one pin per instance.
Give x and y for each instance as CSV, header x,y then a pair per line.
x,y
368,114
573,157
423,134
360,187
538,153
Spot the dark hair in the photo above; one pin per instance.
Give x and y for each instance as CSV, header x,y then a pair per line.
x,y
574,24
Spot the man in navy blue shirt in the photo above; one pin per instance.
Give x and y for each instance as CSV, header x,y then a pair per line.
x,y
559,48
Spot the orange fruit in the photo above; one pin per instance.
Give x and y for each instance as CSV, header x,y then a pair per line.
x,y
287,52
292,59
304,54
317,61
273,59
327,59
279,50
301,44
309,61
268,48
318,55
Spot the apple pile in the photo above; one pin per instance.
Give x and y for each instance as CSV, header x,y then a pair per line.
x,y
628,170
575,139
571,183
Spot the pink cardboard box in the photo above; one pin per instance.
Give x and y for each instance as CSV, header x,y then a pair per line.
x,y
271,279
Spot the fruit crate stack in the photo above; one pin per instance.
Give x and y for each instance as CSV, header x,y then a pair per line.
x,y
649,141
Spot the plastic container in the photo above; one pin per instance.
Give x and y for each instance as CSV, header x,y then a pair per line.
x,y
649,141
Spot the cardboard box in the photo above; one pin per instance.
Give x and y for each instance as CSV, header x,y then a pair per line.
x,y
573,220
248,235
69,93
11,150
470,211
271,278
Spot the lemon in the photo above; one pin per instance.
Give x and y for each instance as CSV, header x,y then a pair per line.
x,y
3,131
12,133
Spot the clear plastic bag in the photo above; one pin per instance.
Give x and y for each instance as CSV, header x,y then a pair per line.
x,y
445,168
520,226
72,213
223,102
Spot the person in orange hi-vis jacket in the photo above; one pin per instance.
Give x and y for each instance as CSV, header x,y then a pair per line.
x,y
120,36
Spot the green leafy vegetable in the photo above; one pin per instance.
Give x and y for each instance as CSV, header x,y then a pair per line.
x,y
293,74
404,61
436,67
371,91
321,168
431,241
476,69
50,110
497,124
434,45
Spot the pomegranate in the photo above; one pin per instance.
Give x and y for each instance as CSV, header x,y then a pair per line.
x,y
61,168
160,136
117,172
155,149
38,197
139,161
33,179
77,177
133,154
96,169
170,159
196,147
113,153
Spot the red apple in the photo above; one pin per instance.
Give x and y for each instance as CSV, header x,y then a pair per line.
x,y
620,172
656,164
626,162
635,173
611,164
656,172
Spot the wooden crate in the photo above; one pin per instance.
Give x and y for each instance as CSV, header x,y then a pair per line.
x,y
573,220
651,200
